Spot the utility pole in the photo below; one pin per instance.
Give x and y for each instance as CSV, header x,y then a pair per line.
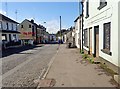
x,y
60,26
6,7
60,30
16,12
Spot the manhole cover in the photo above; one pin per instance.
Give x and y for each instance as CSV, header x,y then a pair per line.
x,y
46,83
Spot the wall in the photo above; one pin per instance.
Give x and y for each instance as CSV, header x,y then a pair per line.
x,y
77,28
96,17
25,28
119,33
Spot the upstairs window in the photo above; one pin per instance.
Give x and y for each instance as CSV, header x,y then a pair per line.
x,y
7,25
12,26
87,9
103,3
29,26
0,25
21,26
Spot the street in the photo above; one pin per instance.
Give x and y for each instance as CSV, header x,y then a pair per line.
x,y
21,68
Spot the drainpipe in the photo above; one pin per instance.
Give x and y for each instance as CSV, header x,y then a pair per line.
x,y
82,23
79,28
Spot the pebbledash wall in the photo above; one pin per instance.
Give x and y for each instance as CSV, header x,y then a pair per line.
x,y
109,13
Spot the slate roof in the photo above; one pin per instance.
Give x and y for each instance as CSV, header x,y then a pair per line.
x,y
3,17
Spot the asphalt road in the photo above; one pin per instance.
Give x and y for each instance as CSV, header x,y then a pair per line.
x,y
21,68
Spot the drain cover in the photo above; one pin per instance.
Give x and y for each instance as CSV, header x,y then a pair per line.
x,y
46,83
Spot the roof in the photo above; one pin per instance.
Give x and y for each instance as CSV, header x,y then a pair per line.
x,y
77,18
3,17
39,26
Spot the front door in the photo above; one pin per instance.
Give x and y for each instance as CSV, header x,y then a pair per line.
x,y
90,41
96,30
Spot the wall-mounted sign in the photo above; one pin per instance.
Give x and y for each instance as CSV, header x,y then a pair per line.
x,y
28,33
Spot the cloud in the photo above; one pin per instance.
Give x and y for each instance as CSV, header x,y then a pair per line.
x,y
52,26
2,12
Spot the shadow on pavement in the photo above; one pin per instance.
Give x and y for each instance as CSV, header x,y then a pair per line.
x,y
17,50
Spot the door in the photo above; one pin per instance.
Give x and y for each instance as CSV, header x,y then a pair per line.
x,y
90,40
96,29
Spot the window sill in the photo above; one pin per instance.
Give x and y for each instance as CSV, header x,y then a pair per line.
x,y
86,46
106,51
101,6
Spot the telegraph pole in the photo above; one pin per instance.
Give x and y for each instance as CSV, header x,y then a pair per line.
x,y
60,26
6,7
60,30
16,12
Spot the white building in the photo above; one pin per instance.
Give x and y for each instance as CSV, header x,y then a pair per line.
x,y
8,28
77,31
52,37
101,29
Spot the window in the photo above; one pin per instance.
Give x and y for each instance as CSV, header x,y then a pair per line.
x,y
106,38
29,26
10,38
87,9
21,26
103,3
12,26
0,25
33,31
4,37
106,44
7,25
86,37
14,37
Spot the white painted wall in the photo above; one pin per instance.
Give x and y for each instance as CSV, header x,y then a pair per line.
x,y
77,27
119,33
96,17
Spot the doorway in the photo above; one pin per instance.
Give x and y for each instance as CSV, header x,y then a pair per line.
x,y
96,39
90,40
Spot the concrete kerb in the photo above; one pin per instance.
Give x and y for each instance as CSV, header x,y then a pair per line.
x,y
49,65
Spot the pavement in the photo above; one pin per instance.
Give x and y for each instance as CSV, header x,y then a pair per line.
x,y
70,70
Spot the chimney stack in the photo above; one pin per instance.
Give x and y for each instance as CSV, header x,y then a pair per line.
x,y
32,20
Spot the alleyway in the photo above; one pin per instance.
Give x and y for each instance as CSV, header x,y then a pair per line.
x,y
69,70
